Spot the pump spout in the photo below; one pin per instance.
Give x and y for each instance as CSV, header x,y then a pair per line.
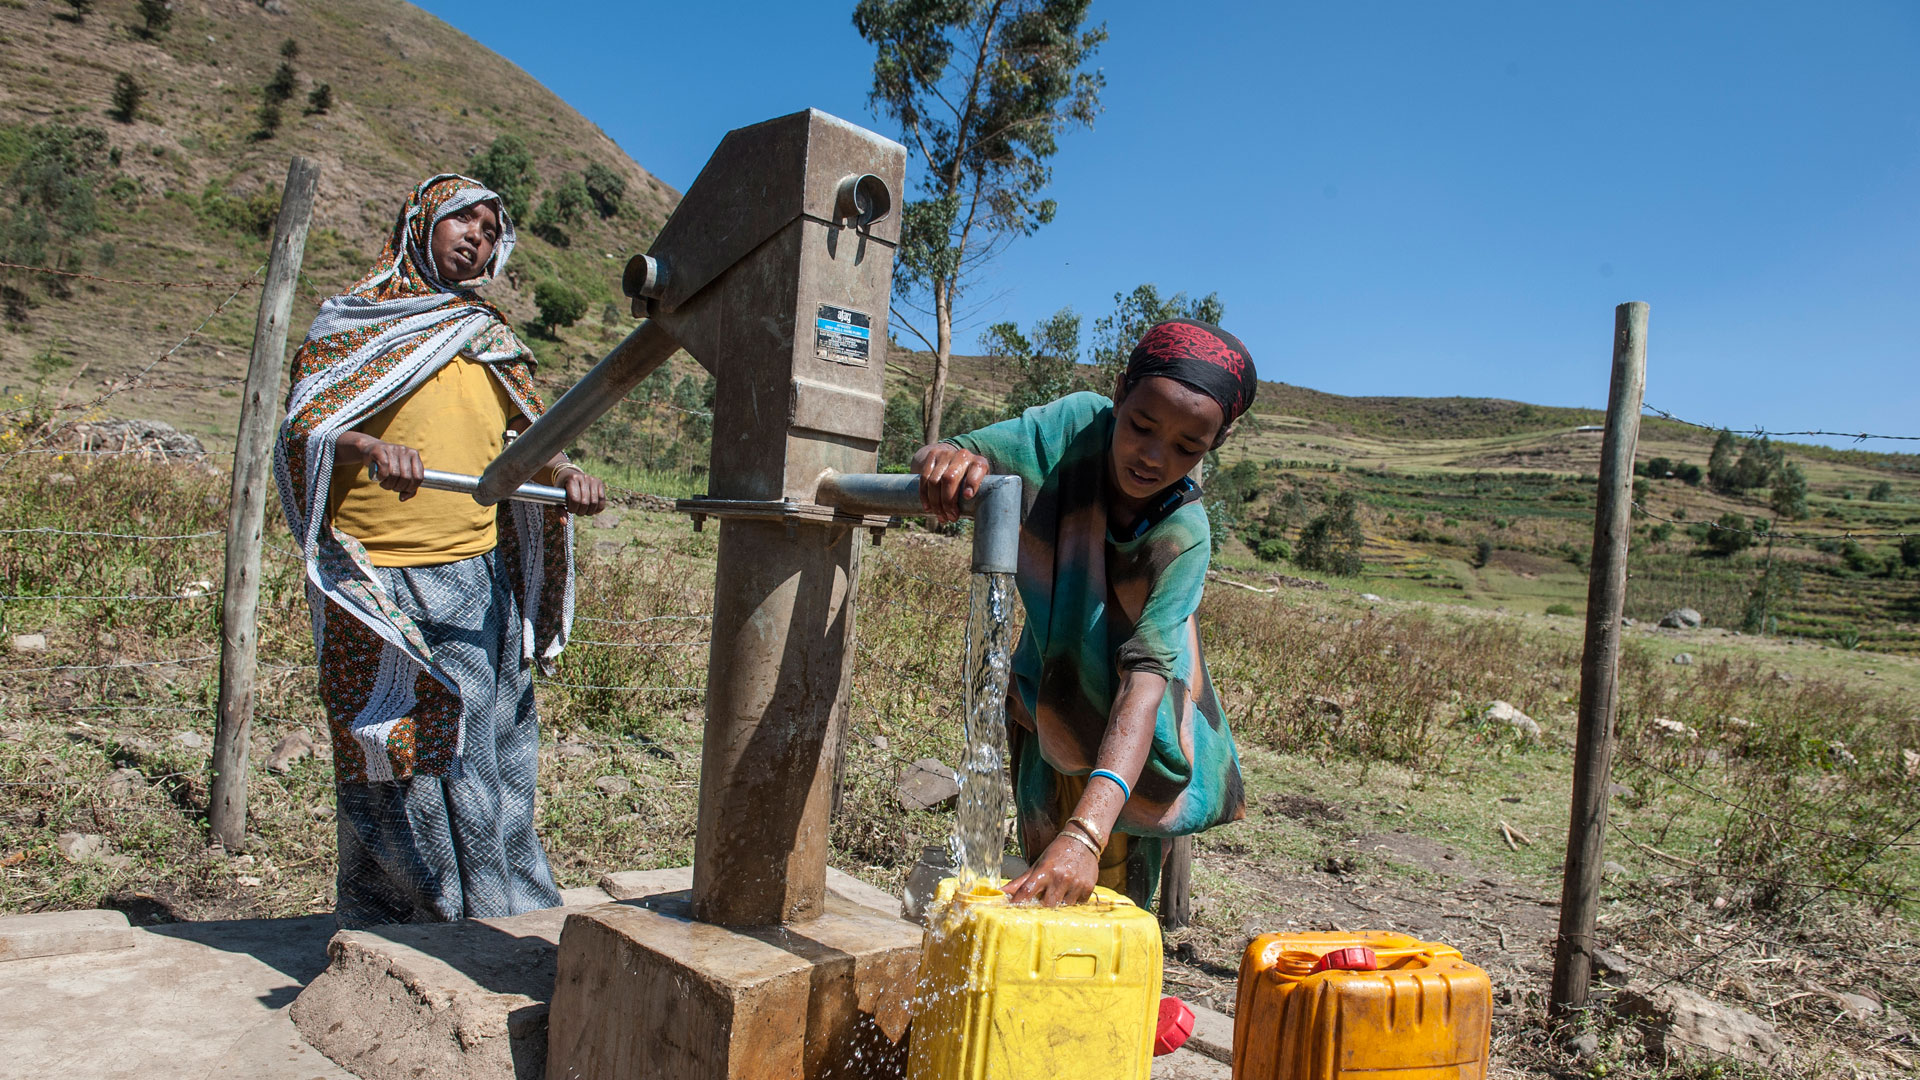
x,y
995,510
636,357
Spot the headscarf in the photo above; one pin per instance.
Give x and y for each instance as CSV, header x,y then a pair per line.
x,y
1201,357
367,348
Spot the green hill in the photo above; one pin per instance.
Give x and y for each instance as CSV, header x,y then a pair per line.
x,y
184,190
1471,499
1490,503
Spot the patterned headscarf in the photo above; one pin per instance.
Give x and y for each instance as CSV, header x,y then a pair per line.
x,y
1199,356
406,266
369,347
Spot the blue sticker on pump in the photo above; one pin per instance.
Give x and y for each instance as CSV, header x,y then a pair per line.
x,y
842,335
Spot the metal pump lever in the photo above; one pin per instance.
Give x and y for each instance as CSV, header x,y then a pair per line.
x,y
440,480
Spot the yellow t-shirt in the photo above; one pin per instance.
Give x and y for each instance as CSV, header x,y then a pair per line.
x,y
456,420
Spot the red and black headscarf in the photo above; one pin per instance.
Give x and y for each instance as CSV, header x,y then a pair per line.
x,y
1199,356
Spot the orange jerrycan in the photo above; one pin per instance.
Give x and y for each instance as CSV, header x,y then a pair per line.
x,y
1370,1004
1031,993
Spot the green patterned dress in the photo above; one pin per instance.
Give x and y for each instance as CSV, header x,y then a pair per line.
x,y
1098,606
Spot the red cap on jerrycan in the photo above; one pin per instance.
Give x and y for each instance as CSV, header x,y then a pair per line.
x,y
1176,1023
1356,958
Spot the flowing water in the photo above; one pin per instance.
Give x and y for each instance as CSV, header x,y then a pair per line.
x,y
980,831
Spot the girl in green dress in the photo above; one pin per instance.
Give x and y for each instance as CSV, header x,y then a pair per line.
x,y
1116,736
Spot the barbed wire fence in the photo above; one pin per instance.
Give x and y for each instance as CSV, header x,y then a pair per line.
x,y
1765,831
1841,533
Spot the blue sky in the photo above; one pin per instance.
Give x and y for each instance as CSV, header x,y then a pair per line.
x,y
1403,198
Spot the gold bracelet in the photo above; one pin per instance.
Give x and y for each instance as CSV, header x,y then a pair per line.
x,y
1093,834
564,466
1082,841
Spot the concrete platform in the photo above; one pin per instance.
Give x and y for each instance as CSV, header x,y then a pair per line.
x,y
196,1001
211,1001
467,999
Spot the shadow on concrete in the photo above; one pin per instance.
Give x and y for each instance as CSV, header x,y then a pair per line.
x,y
296,948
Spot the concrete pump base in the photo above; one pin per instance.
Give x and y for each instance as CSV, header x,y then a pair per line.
x,y
643,992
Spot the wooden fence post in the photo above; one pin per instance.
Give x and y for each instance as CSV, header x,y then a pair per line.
x,y
246,512
1176,884
1176,874
1599,667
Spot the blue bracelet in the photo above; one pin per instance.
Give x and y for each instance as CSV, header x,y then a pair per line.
x,y
1126,791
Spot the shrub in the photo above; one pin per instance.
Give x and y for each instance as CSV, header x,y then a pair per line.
x,y
605,188
565,205
1910,551
50,200
560,304
1658,468
290,50
507,167
1483,552
1758,463
1689,474
1881,491
1730,535
15,306
320,100
81,9
1274,550
127,96
1788,498
1660,533
1859,559
155,16
267,121
253,214
281,86
1331,542
1720,465
1562,609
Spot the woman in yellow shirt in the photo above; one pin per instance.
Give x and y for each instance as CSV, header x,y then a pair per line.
x,y
430,611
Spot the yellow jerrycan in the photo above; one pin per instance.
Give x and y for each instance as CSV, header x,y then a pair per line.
x,y
1031,993
1369,1004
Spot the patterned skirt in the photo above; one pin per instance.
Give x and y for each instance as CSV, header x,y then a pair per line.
x,y
435,848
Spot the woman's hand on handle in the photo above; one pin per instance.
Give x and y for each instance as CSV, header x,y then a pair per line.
x,y
1066,874
948,477
397,468
585,494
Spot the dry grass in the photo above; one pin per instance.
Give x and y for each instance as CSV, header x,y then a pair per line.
x,y
1771,859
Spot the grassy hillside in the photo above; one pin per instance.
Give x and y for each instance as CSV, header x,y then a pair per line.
x,y
1435,478
185,188
1761,841
1481,501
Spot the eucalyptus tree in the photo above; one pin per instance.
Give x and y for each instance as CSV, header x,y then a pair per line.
x,y
982,91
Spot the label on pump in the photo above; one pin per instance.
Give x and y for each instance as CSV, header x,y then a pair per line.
x,y
842,335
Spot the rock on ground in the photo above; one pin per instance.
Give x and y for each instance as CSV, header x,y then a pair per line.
x,y
289,750
29,643
1681,619
614,786
928,784
1682,1024
1502,713
149,436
